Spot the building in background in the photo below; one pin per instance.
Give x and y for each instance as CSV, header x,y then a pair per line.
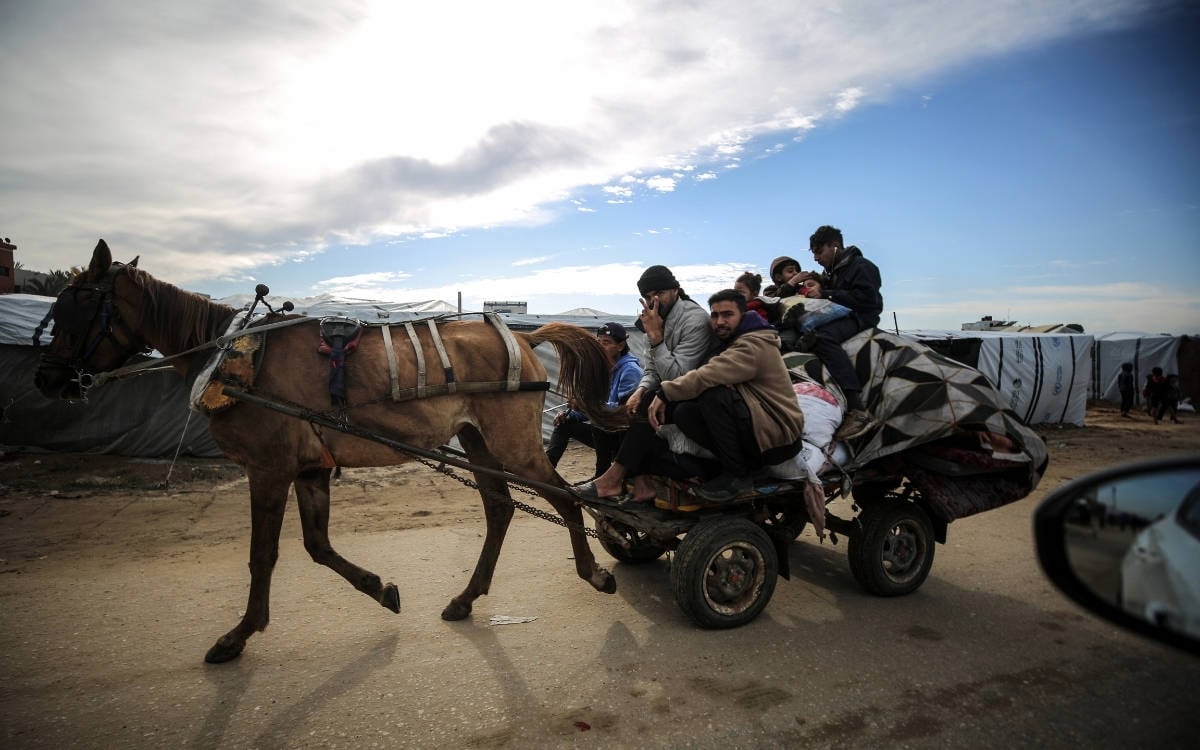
x,y
8,267
512,308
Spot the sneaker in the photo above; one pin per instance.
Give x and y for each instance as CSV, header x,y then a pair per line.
x,y
724,488
854,424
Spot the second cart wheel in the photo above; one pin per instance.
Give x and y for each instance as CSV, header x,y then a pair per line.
x,y
724,572
893,552
641,549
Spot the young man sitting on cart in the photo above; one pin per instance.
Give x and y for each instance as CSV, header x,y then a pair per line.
x,y
739,405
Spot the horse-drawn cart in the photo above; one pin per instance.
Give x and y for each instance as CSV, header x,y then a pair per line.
x,y
279,402
727,556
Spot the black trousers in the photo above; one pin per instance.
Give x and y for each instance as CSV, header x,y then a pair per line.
x,y
605,443
828,348
719,420
642,451
1126,401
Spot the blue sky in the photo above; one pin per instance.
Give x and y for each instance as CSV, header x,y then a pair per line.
x,y
1033,162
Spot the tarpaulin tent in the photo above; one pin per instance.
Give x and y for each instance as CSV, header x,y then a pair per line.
x,y
1043,377
1144,350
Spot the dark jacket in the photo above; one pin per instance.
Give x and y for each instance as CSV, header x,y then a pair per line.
x,y
854,283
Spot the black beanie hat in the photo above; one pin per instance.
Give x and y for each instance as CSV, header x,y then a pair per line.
x,y
657,279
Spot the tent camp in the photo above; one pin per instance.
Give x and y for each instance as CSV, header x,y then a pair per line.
x,y
1174,354
1043,376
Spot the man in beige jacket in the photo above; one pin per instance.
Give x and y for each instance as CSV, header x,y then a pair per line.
x,y
739,404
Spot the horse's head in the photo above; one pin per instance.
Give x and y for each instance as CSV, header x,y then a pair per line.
x,y
91,331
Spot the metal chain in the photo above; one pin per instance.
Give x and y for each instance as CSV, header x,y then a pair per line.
x,y
531,510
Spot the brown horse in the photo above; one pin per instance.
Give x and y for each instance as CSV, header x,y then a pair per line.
x,y
112,311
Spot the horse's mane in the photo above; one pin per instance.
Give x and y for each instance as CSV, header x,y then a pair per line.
x,y
175,317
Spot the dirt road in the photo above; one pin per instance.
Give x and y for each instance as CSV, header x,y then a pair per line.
x,y
111,590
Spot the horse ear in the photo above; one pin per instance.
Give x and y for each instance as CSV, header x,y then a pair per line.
x,y
101,260
133,263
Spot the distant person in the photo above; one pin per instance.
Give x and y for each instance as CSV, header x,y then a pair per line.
x,y
1152,391
1127,388
784,282
852,281
1168,399
625,375
750,285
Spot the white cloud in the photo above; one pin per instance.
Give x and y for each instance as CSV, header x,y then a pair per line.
x,y
226,135
661,183
848,99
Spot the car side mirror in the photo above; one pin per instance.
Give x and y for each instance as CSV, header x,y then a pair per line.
x,y
1125,544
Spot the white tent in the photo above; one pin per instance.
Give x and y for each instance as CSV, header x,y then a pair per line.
x,y
1043,376
1144,350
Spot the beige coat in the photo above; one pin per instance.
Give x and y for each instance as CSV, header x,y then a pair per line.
x,y
753,365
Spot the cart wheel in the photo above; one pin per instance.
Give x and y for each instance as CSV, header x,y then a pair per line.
x,y
724,572
642,549
893,552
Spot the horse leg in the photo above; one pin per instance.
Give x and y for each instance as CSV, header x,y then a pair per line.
x,y
498,512
532,463
268,498
585,562
312,495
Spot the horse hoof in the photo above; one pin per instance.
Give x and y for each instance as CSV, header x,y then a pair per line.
x,y
390,597
223,652
608,584
456,611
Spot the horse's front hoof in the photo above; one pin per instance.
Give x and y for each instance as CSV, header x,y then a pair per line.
x,y
456,610
390,597
222,652
606,583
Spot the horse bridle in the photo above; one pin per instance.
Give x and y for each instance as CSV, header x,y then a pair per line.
x,y
71,315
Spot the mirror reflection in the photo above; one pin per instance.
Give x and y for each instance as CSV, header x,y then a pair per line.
x,y
1135,542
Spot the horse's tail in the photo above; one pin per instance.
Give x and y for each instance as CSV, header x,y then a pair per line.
x,y
583,372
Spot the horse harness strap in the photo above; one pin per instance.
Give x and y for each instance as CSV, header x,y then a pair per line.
x,y
514,353
423,389
440,345
393,376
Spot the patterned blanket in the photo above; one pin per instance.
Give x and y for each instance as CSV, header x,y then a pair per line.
x,y
960,443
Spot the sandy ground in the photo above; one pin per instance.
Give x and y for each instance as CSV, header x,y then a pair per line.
x,y
63,514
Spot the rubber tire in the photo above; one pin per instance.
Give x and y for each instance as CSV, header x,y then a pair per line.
x,y
734,550
642,548
883,528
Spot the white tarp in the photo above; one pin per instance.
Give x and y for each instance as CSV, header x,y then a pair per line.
x,y
1042,376
1144,350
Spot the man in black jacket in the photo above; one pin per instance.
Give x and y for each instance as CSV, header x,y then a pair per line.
x,y
852,281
